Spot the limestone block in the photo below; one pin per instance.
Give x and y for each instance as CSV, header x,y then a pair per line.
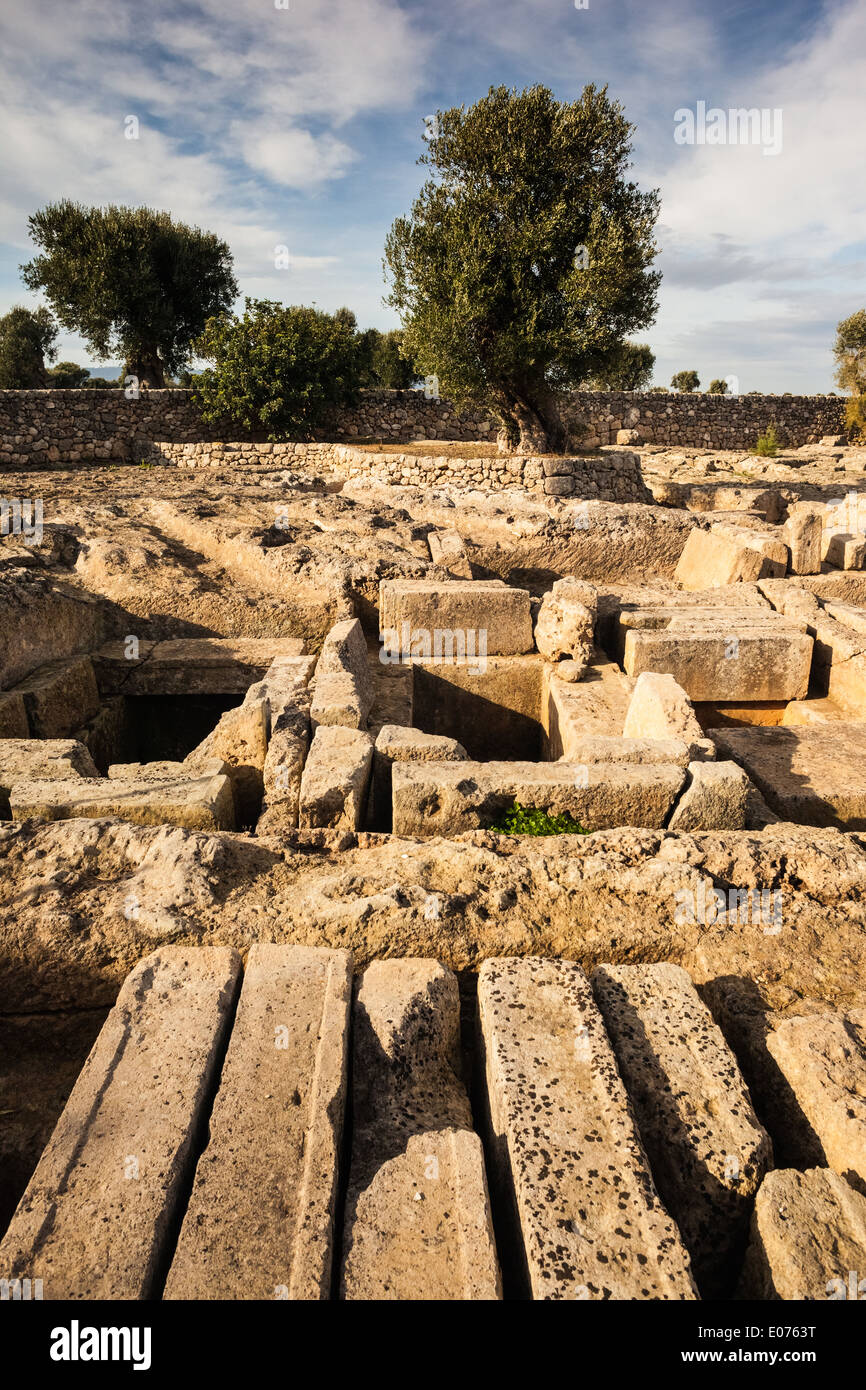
x,y
808,1234
54,759
335,779
707,1149
710,560
743,664
417,1216
813,775
396,744
569,1163
565,624
98,1215
660,708
343,688
487,607
449,552
194,802
716,798
844,551
823,1060
166,771
284,766
260,1219
59,697
802,533
194,665
240,740
448,798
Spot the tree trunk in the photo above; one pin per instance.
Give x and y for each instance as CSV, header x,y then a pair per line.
x,y
531,424
145,364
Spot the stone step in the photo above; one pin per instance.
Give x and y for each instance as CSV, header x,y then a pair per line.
x,y
417,1218
260,1220
96,1218
706,1146
569,1160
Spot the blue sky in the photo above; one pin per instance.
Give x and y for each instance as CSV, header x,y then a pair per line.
x,y
300,126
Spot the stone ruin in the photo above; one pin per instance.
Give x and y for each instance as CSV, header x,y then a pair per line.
x,y
286,1013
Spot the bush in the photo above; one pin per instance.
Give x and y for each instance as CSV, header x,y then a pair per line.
x,y
685,381
68,375
520,820
717,387
280,370
768,442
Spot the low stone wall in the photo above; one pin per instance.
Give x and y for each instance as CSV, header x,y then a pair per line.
x,y
610,476
47,428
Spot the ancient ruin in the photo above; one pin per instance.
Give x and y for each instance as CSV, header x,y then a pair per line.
x,y
292,1006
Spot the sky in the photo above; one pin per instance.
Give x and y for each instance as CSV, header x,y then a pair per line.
x,y
298,124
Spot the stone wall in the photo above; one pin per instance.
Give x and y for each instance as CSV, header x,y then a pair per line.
x,y
45,428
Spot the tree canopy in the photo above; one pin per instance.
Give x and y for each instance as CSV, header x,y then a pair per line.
x,y
849,352
131,281
277,369
629,367
27,337
526,258
382,362
685,381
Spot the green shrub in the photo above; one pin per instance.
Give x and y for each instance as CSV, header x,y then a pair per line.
x,y
521,820
277,369
717,387
768,443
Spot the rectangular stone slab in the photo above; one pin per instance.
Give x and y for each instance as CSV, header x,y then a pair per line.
x,y
260,1219
96,1216
502,613
60,697
569,1161
336,779
707,1148
737,664
196,802
811,774
447,798
417,1215
710,560
194,665
823,1060
808,1235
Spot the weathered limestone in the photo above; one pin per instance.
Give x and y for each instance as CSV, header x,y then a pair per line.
x,y
802,534
823,1060
413,611
449,552
13,715
59,697
844,551
195,802
395,744
746,664
818,711
597,704
808,1235
448,798
100,1207
193,665
568,1158
566,623
712,559
284,765
716,798
342,692
417,1219
335,779
813,775
240,740
166,771
260,1219
660,708
707,1149
30,759
605,748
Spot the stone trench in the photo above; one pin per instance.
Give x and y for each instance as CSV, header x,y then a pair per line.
x,y
286,1008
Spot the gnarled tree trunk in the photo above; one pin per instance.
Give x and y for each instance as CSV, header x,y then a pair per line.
x,y
531,423
145,364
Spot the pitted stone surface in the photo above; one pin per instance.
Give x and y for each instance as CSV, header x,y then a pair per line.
x,y
260,1219
567,1149
808,1235
706,1146
97,1214
417,1220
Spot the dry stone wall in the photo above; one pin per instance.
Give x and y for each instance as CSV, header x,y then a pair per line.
x,y
47,428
